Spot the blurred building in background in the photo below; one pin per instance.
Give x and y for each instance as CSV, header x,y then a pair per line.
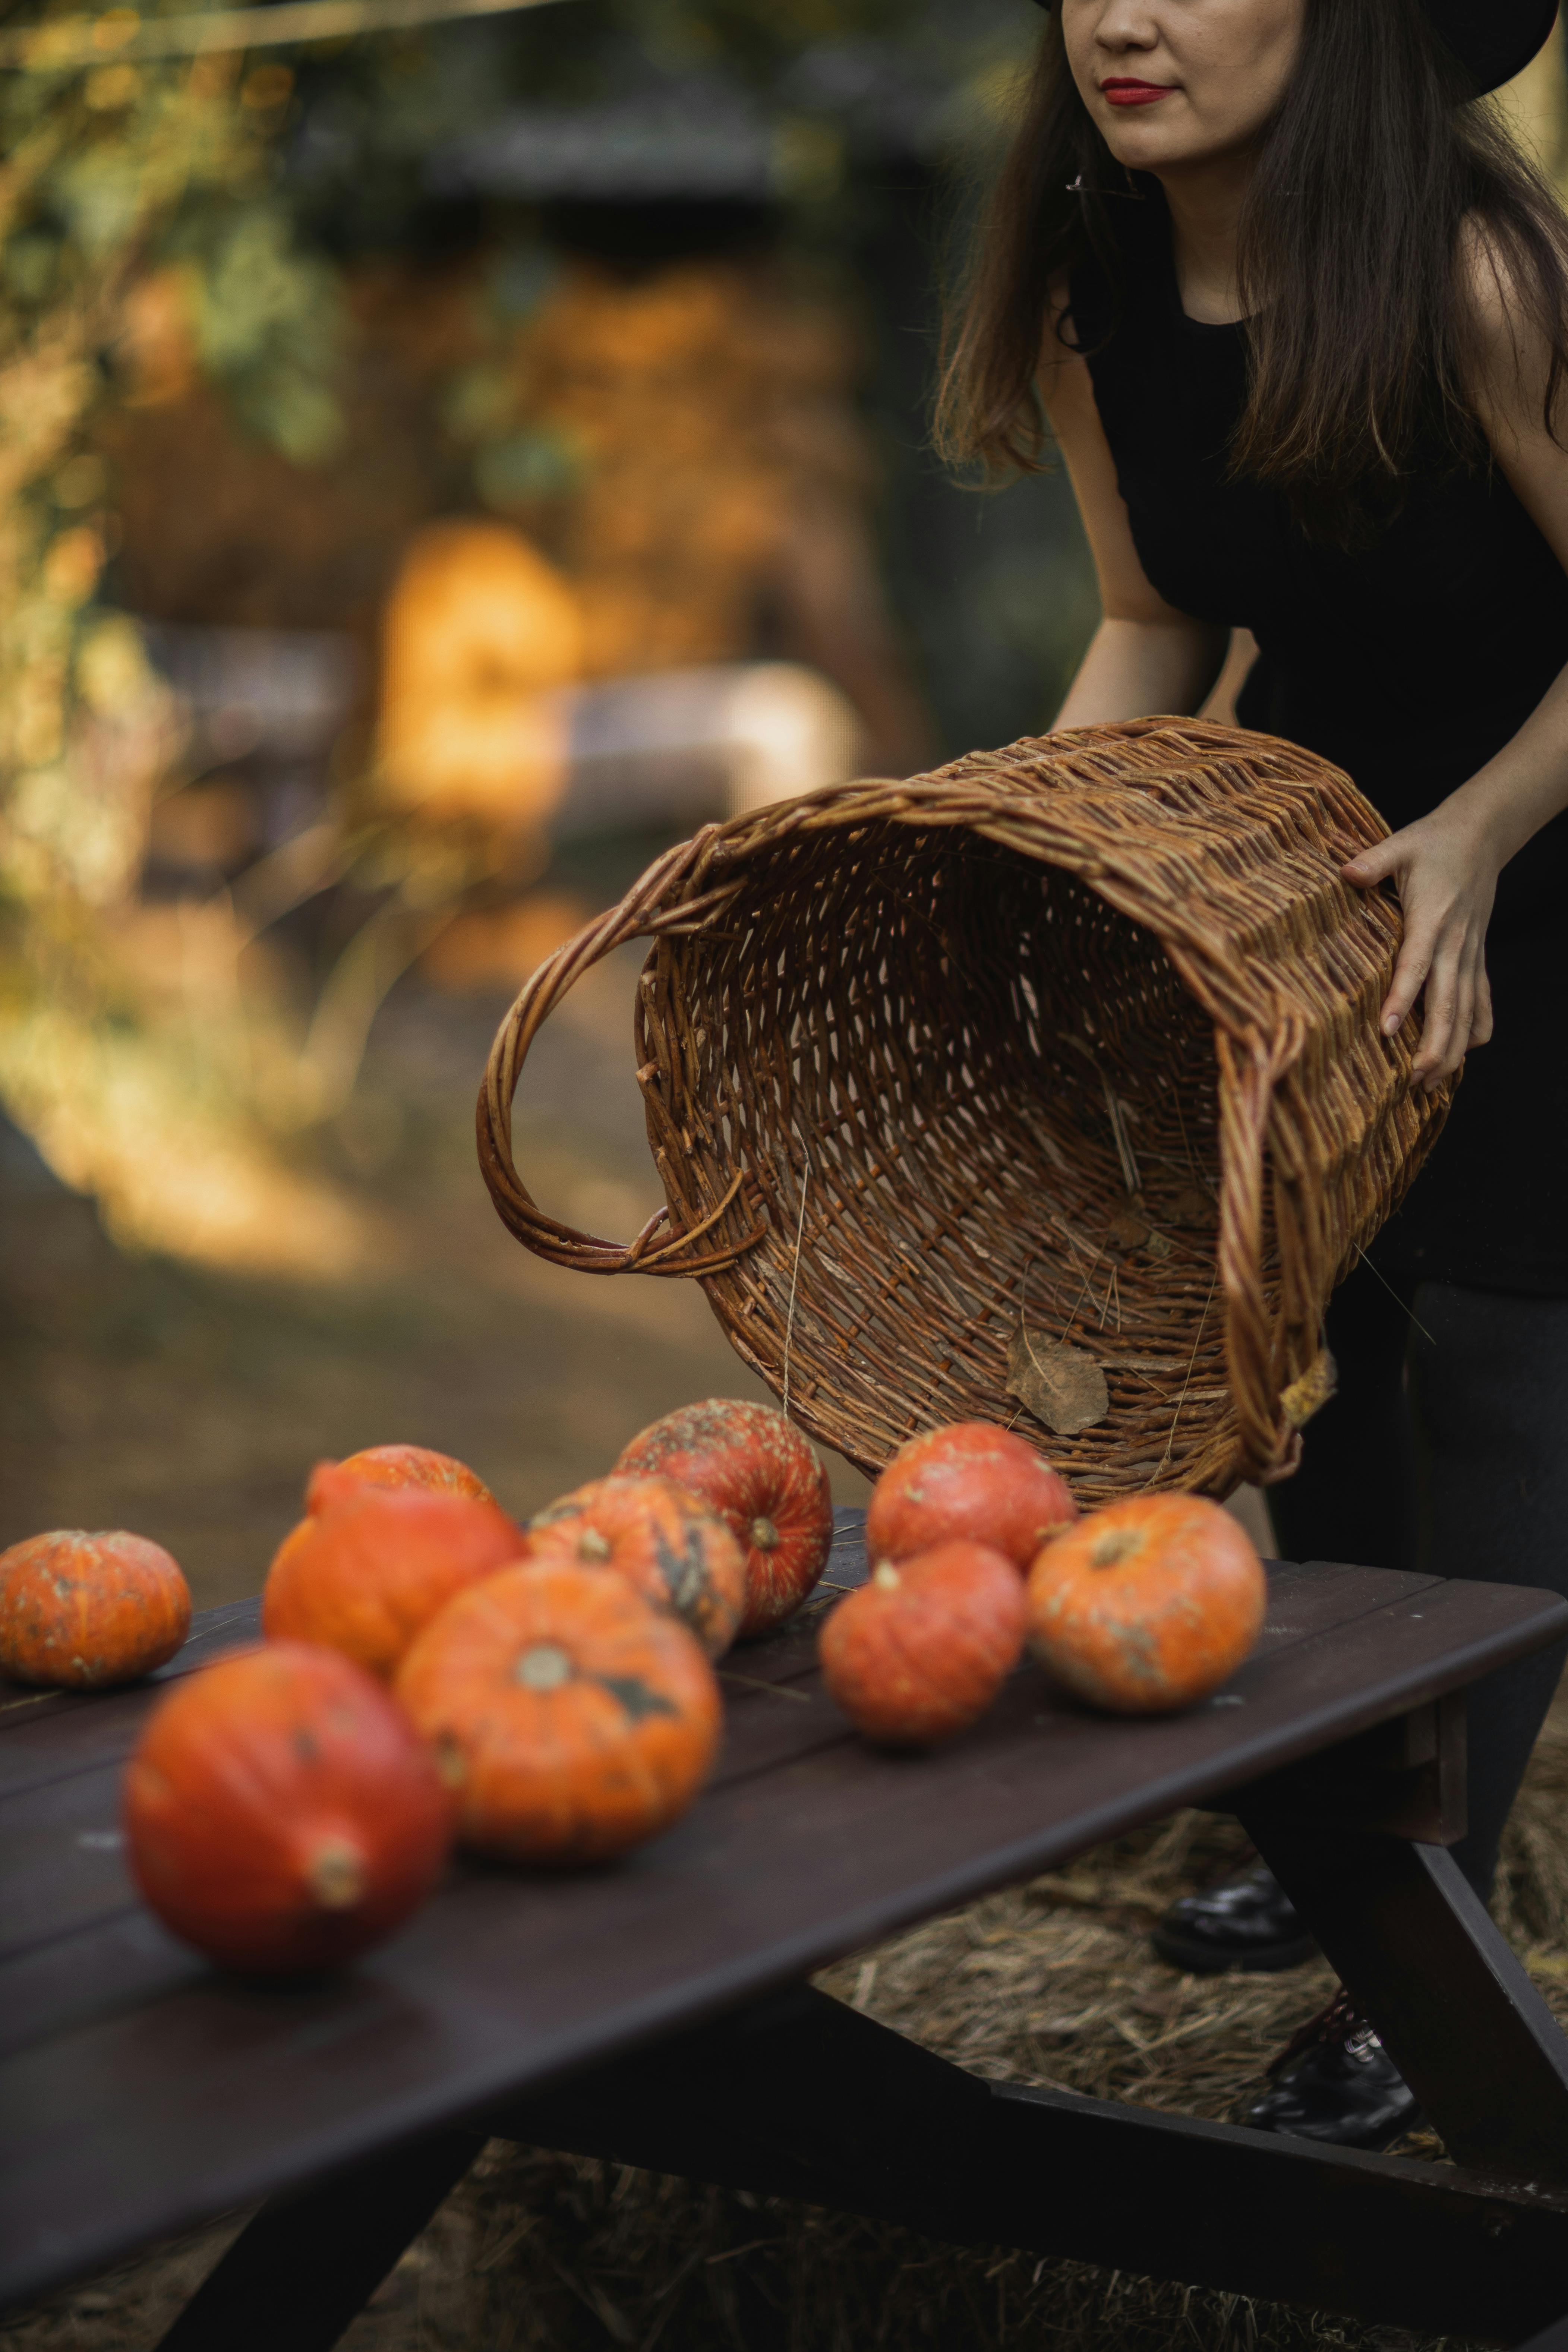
x,y
670,338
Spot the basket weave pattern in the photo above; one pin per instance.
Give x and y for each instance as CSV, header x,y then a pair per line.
x,y
1081,1035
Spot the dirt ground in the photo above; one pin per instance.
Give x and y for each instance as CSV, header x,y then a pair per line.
x,y
188,1403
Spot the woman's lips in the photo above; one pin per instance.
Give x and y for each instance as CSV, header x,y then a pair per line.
x,y
1134,93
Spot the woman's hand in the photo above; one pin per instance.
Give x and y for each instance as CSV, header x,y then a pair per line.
x,y
1445,868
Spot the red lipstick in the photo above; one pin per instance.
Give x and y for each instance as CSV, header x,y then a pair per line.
x,y
1119,92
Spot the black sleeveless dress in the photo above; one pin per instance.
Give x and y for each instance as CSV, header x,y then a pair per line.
x,y
1408,664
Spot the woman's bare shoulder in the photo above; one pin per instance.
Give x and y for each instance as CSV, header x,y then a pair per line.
x,y
1517,336
1506,313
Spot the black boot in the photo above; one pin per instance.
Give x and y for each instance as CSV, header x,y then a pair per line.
x,y
1245,1922
1335,2082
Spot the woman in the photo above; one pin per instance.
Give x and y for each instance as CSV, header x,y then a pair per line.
x,y
1297,315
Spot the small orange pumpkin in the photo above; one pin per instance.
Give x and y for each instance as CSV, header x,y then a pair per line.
x,y
573,1717
365,1574
920,1649
973,1481
394,1465
78,1611
1149,1604
281,1815
756,1469
678,1554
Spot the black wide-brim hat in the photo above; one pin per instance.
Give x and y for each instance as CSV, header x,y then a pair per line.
x,y
1494,38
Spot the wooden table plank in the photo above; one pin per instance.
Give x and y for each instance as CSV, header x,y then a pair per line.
x,y
61,1859
119,1962
143,2120
90,1892
44,1735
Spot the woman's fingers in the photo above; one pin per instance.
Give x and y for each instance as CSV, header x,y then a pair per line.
x,y
1459,1035
1374,865
1445,877
1409,973
1450,978
1439,1008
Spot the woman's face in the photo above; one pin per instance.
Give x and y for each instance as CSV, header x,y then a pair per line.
x,y
1173,83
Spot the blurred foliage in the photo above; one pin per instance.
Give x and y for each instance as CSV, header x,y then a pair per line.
x,y
267,323
754,36
114,177
123,186
165,221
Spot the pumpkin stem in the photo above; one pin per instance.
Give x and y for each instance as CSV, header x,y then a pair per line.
x,y
543,1667
1113,1546
886,1575
764,1534
337,1875
594,1547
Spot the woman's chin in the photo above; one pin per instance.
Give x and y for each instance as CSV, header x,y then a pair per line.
x,y
1143,143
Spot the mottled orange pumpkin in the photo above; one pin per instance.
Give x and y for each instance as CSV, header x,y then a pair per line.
x,y
972,1481
365,1575
78,1611
573,1717
677,1552
394,1465
751,1465
1149,1604
920,1649
281,1813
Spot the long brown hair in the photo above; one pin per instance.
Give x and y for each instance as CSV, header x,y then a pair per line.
x,y
1374,180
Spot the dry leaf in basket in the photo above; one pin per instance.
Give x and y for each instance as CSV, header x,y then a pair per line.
x,y
1062,1386
1130,1230
1191,1206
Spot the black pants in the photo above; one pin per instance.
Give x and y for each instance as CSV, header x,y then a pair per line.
x,y
1447,1455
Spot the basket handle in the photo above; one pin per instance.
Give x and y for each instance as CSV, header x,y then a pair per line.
x,y
1272,1445
655,906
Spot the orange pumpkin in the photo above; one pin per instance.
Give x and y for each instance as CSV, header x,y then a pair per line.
x,y
920,1649
365,1575
1149,1604
573,1717
78,1611
679,1555
747,1463
281,1812
972,1481
394,1465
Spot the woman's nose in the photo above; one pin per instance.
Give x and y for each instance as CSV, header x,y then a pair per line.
x,y
1126,25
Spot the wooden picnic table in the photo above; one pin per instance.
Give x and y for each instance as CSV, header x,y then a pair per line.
x,y
659,2011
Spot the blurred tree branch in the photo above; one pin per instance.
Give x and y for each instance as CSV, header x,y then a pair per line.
x,y
68,42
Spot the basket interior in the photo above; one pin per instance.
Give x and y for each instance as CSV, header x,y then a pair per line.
x,y
973,1092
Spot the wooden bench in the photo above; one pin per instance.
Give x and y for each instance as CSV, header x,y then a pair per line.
x,y
659,2011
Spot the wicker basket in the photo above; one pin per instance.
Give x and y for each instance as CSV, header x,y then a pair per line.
x,y
1066,1055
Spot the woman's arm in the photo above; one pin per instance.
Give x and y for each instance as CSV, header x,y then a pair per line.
x,y
1445,867
1144,656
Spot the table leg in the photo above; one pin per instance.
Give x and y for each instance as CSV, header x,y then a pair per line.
x,y
1459,2016
802,2097
1555,2340
306,2263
